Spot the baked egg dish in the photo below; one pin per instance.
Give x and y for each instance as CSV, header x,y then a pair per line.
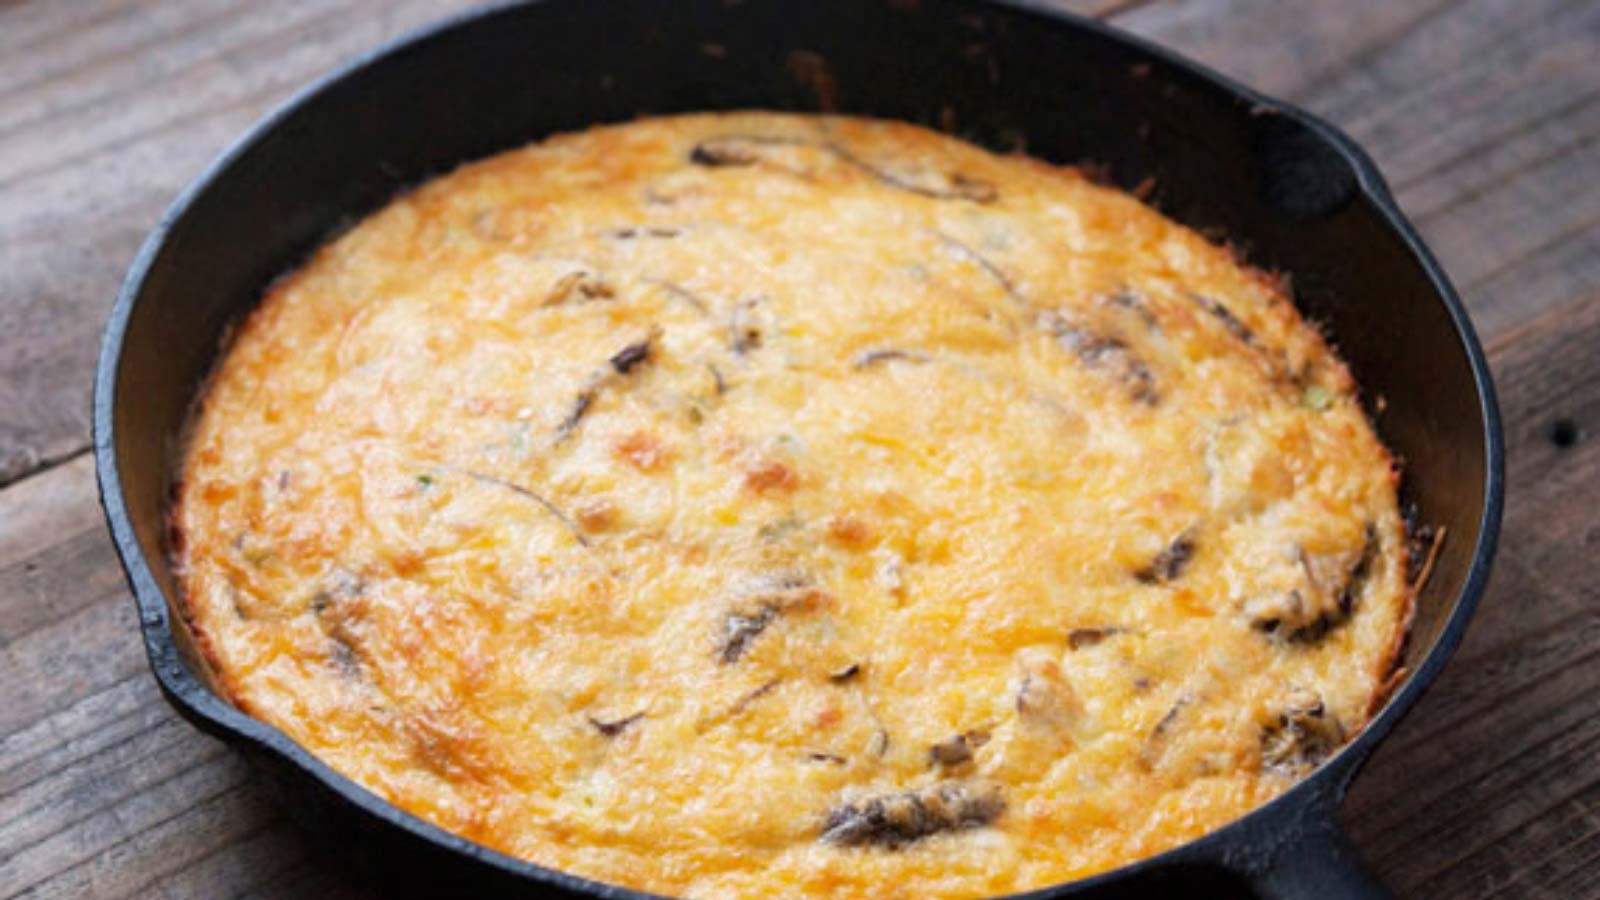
x,y
758,505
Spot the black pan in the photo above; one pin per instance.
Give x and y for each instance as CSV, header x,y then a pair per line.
x,y
1292,193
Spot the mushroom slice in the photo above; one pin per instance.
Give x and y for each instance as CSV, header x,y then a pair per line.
x,y
1320,597
893,820
1302,734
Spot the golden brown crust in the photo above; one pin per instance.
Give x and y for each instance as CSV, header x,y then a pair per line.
x,y
1390,670
759,505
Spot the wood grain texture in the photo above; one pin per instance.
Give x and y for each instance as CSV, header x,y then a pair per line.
x,y
1484,116
106,111
1490,788
104,792
1482,113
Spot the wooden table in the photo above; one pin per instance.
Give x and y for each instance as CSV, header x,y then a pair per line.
x,y
1484,114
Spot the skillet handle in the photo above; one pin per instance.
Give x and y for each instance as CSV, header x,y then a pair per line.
x,y
1320,864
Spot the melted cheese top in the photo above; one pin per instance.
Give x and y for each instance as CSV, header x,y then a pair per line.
x,y
754,505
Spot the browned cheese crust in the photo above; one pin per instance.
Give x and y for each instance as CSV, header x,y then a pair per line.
x,y
757,505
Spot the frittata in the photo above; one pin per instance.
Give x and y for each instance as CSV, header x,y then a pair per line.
x,y
756,505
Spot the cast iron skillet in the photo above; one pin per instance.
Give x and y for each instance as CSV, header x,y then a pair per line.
x,y
1291,192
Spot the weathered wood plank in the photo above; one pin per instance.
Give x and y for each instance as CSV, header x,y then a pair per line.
x,y
103,118
1483,115
104,792
1490,786
55,531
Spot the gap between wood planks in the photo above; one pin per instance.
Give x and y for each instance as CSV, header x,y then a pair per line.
x,y
50,461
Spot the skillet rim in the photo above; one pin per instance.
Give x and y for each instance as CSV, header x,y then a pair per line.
x,y
1261,831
